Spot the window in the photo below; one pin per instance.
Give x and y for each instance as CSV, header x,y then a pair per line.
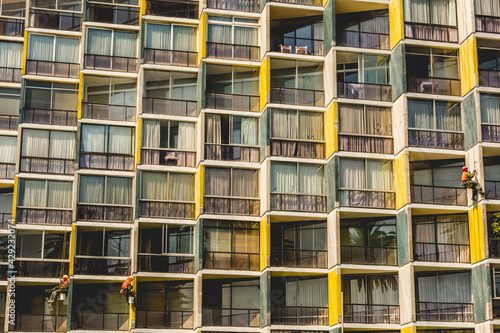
x,y
490,109
70,5
110,91
298,35
297,178
169,239
372,232
297,75
436,12
172,296
105,190
231,236
11,56
232,130
232,80
53,48
430,62
224,294
168,134
487,8
167,186
285,125
230,182
8,148
365,174
171,37
48,144
365,119
51,95
170,85
301,292
446,173
371,290
111,43
304,236
15,8
45,193
103,242
369,29
434,115
34,244
107,139
232,30
9,99
444,287
362,68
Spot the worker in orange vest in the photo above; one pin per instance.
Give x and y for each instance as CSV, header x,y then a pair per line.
x,y
127,287
61,288
468,182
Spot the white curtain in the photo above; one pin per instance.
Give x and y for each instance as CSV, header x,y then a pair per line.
x,y
352,173
217,181
154,186
186,136
443,12
158,36
383,290
284,177
448,117
307,293
213,128
219,34
35,143
284,124
245,36
8,148
249,131
118,190
379,175
41,48
378,121
181,187
32,193
124,44
93,138
67,50
311,125
311,179
352,119
120,140
184,38
244,183
62,145
91,189
59,194
490,109
420,114
487,7
445,288
11,55
453,233
99,42
151,134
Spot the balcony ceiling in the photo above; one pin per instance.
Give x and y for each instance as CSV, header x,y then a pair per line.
x,y
349,6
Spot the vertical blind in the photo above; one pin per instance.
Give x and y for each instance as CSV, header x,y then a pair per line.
x,y
360,119
111,43
48,144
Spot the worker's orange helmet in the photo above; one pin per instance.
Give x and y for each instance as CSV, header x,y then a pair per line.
x,y
465,168
65,277
130,278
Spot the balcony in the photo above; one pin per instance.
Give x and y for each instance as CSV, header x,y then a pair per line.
x,y
299,315
50,68
11,27
7,170
442,252
492,189
231,152
371,314
171,107
438,86
170,57
298,202
298,96
438,195
365,144
435,139
233,206
50,117
89,320
234,102
454,312
102,266
232,51
165,209
9,123
304,46
108,112
164,319
26,322
4,220
231,317
431,32
41,269
44,165
367,40
168,157
231,261
106,161
369,91
490,133
112,14
241,6
173,8
369,255
104,213
294,148
489,24
367,199
44,216
158,263
48,19
110,63
301,2
299,258
9,74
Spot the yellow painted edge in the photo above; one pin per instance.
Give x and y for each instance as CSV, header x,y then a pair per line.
x,y
325,2
396,22
400,180
72,243
198,191
202,37
265,242
80,95
131,316
331,131
142,9
138,139
25,53
476,234
468,65
14,199
334,300
265,82
409,329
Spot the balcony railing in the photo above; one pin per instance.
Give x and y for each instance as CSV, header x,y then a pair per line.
x,y
50,117
231,152
241,6
9,123
299,258
50,68
438,86
233,206
367,199
182,9
438,195
434,311
92,321
371,314
4,220
7,170
164,319
159,263
171,107
170,57
165,209
298,96
294,148
431,32
106,161
10,74
440,252
11,27
44,216
231,317
435,139
494,247
168,157
232,51
365,144
490,133
101,266
304,46
108,112
26,322
298,202
41,269
492,189
56,166
110,63
112,14
231,260
48,19
489,24
96,212
367,40
369,255
301,2
369,91
232,102
299,315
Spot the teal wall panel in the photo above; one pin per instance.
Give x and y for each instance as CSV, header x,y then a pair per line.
x,y
201,82
481,289
403,238
329,25
198,255
265,299
331,183
398,71
470,120
264,136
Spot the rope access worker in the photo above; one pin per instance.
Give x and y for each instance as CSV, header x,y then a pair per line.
x,y
56,291
127,288
468,182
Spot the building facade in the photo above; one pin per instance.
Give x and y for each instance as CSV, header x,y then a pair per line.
x,y
258,166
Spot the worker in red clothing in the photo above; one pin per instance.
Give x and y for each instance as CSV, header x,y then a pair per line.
x,y
61,288
127,288
469,182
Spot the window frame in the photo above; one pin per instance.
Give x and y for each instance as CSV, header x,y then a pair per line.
x,y
52,90
112,44
50,141
107,138
105,187
429,12
431,55
297,113
169,199
365,174
67,235
169,121
54,43
434,118
171,25
103,249
297,183
365,106
231,130
231,187
216,226
165,243
361,69
45,207
234,23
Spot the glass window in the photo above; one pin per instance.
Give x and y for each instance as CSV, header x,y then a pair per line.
x,y
366,174
447,173
297,178
168,134
233,80
45,193
167,186
437,115
48,144
225,30
444,287
226,182
110,91
8,148
490,108
16,8
103,242
105,190
107,139
111,43
371,289
170,85
52,48
364,119
362,68
51,95
285,125
439,12
10,100
230,236
430,62
11,56
70,5
225,129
